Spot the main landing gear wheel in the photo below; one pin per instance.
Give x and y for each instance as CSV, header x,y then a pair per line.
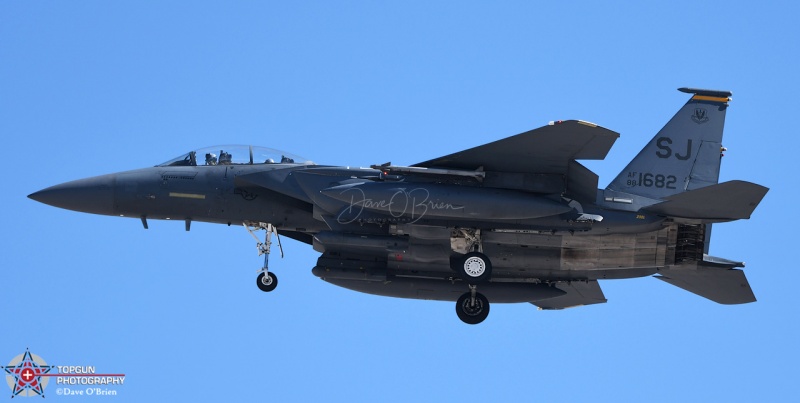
x,y
267,281
474,267
472,309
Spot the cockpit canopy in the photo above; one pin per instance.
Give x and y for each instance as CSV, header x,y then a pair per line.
x,y
235,155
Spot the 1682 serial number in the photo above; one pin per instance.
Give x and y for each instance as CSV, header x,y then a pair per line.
x,y
652,180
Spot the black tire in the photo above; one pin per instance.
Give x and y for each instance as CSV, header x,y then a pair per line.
x,y
267,281
474,268
472,315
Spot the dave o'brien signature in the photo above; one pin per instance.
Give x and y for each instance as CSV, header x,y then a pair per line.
x,y
414,203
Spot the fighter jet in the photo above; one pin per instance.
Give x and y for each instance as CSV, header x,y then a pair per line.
x,y
518,220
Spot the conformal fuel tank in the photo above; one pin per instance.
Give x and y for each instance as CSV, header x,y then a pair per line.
x,y
416,200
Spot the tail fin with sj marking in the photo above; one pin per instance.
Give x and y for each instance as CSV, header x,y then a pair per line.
x,y
676,175
684,155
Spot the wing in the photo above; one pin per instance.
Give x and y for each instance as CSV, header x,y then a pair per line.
x,y
548,149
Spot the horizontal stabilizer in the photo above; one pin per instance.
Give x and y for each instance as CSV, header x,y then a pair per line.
x,y
721,285
726,201
577,294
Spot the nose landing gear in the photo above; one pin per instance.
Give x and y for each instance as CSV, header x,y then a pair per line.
x,y
266,280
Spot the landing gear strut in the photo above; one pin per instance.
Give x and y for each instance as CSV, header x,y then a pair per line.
x,y
266,280
472,307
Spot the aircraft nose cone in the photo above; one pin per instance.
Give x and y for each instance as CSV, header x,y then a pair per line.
x,y
91,195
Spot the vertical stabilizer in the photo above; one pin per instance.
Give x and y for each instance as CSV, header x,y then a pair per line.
x,y
684,155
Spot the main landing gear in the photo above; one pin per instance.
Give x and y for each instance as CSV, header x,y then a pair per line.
x,y
472,308
473,267
266,280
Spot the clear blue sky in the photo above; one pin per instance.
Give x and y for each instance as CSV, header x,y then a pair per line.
x,y
93,87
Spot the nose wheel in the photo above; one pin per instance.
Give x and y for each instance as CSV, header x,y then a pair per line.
x,y
266,280
472,307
